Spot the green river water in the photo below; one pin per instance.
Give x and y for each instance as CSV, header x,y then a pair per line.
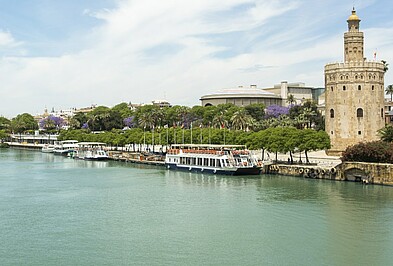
x,y
60,211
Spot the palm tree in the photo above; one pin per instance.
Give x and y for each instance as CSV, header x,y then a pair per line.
x,y
146,120
285,121
385,65
74,123
239,120
219,120
389,90
300,121
386,133
308,114
291,99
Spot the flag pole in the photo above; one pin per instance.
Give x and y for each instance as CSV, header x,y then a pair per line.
x,y
200,127
191,132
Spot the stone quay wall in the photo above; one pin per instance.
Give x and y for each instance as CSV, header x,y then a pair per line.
x,y
368,173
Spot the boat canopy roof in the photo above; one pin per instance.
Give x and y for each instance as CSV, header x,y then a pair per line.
x,y
91,144
69,141
207,146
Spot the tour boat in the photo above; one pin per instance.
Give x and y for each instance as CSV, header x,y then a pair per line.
x,y
65,147
91,151
48,148
215,159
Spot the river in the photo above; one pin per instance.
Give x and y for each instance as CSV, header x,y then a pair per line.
x,y
60,211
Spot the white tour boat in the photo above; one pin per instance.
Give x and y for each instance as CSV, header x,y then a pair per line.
x,y
48,148
216,159
91,151
65,147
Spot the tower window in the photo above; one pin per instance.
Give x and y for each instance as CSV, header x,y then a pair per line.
x,y
359,87
344,88
382,112
372,87
331,113
359,112
359,132
331,88
356,77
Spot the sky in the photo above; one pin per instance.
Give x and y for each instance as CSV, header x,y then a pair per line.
x,y
70,54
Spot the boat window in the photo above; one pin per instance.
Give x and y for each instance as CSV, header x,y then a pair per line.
x,y
219,163
206,161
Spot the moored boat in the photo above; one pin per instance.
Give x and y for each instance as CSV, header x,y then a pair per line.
x,y
65,147
215,159
48,148
91,151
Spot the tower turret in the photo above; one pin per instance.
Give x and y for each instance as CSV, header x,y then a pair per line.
x,y
353,40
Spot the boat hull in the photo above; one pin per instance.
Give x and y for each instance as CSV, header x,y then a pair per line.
x,y
216,171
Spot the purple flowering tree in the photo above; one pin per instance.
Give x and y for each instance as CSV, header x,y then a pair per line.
x,y
129,121
274,111
85,126
51,122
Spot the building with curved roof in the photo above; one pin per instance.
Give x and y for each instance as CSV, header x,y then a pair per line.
x,y
241,96
277,95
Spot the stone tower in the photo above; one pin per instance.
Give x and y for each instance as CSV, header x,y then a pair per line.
x,y
354,94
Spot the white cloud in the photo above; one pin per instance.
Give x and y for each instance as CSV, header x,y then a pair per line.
x,y
7,40
117,66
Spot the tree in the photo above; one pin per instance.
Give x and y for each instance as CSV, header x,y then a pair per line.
x,y
23,122
81,119
308,114
3,136
291,99
51,122
219,120
146,120
385,65
375,151
389,90
275,140
4,123
98,117
386,133
74,123
276,111
123,110
256,111
129,121
311,140
241,120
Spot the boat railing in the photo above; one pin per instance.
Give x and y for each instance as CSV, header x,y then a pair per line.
x,y
195,151
231,160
